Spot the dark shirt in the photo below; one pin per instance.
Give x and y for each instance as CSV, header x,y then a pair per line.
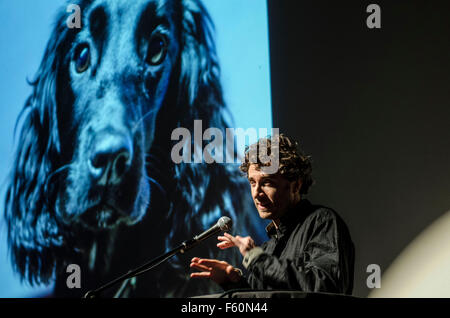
x,y
311,250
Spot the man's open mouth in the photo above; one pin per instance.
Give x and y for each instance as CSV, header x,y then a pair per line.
x,y
263,205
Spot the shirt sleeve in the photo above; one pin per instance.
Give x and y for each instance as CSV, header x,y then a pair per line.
x,y
321,260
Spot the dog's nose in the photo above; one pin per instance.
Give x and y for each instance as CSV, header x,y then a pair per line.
x,y
111,156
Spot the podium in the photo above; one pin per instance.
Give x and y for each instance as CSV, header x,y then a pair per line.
x,y
274,294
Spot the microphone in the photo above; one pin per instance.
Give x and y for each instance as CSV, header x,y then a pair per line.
x,y
223,224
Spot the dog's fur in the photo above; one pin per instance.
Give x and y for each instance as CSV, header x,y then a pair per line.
x,y
61,205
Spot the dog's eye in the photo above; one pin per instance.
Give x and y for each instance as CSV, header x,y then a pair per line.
x,y
156,50
82,58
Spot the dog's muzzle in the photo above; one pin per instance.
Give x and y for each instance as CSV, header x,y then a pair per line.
x,y
110,158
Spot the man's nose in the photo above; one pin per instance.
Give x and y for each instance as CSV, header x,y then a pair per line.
x,y
257,191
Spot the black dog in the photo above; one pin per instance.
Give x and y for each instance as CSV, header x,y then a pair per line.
x,y
93,181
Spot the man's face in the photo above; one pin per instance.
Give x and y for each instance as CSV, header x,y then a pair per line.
x,y
272,193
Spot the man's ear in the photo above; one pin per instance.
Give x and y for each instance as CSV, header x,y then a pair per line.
x,y
297,185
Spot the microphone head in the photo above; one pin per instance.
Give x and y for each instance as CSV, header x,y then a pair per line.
x,y
225,223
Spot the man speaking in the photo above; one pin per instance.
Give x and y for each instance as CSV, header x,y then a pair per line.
x,y
309,247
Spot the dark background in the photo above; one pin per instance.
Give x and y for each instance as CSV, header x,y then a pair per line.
x,y
372,107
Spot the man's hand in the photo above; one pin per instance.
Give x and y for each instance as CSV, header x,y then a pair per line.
x,y
244,244
218,271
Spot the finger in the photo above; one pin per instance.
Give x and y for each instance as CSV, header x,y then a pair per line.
x,y
198,264
201,274
228,235
224,245
201,267
223,238
247,240
231,237
209,262
195,259
231,270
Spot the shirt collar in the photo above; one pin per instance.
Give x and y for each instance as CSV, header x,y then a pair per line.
x,y
289,220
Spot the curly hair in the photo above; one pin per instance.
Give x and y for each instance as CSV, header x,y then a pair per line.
x,y
293,162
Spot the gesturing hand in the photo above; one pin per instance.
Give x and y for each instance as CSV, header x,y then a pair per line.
x,y
218,271
243,243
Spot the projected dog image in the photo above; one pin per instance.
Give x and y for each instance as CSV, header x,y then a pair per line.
x,y
93,182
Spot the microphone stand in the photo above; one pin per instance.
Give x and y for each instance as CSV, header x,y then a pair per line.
x,y
183,247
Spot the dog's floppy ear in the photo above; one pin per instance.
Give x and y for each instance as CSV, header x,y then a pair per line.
x,y
201,92
34,237
208,187
200,86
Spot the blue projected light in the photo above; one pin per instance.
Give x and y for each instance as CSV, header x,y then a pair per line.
x,y
243,52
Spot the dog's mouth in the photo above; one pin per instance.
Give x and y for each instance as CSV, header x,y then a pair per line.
x,y
101,216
